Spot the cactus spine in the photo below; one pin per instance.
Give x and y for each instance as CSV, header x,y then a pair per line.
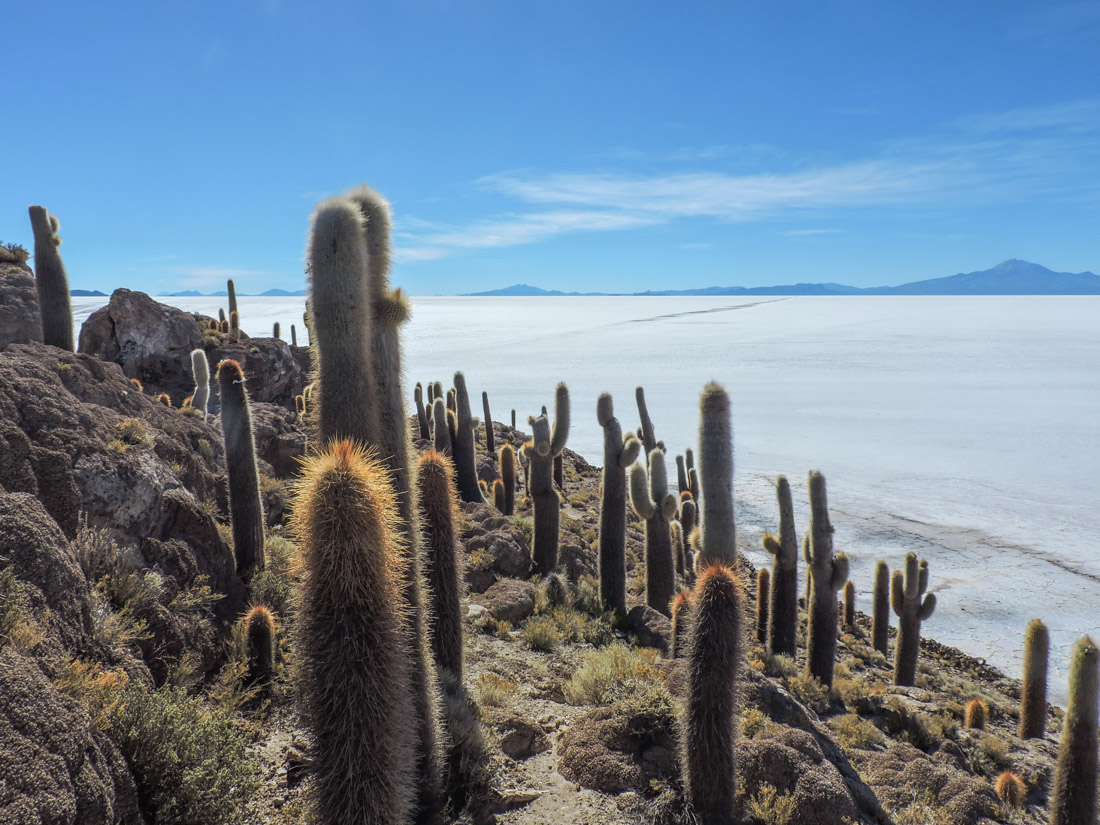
x,y
390,310
342,323
1033,694
259,628
880,619
783,614
435,480
681,623
201,370
906,590
490,443
718,539
245,507
463,450
421,413
508,478
540,452
648,436
1073,796
357,685
652,502
710,717
827,575
618,454
849,604
763,587
51,281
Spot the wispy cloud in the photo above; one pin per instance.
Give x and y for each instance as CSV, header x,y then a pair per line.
x,y
993,157
208,277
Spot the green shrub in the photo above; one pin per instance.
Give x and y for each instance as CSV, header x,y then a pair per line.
x,y
769,807
853,732
541,633
273,586
495,691
133,432
527,527
610,672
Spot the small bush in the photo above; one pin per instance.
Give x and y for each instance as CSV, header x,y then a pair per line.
x,y
133,432
769,807
13,253
495,691
809,691
610,672
527,527
755,724
853,732
541,633
273,586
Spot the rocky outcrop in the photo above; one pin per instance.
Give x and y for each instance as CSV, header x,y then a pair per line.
x,y
509,600
495,547
609,751
152,342
20,320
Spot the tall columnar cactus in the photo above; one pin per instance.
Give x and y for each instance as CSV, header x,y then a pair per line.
x,y
490,442
681,623
763,588
235,325
718,539
508,478
783,615
51,281
221,316
452,428
357,685
687,519
693,485
435,480
880,618
463,451
1073,796
677,532
513,419
390,311
498,495
827,575
906,590
648,437
421,414
653,502
259,630
276,330
681,476
293,336
540,452
849,604
1033,694
342,320
710,717
232,290
201,370
452,401
618,454
441,433
245,506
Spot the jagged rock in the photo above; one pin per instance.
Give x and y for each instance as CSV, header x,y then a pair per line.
x,y
271,372
498,543
903,773
509,600
20,320
279,439
608,751
520,738
578,561
652,628
56,770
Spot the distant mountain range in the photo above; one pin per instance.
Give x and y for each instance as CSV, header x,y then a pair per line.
x,y
271,293
87,293
1011,277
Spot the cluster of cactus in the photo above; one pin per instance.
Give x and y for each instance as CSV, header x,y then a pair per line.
x,y
540,451
827,573
619,453
654,504
51,281
906,589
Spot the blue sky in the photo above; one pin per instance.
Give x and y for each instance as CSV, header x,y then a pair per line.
x,y
605,146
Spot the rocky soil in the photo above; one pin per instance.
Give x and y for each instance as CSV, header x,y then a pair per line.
x,y
116,568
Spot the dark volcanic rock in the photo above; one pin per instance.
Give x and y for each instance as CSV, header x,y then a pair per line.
x,y
20,320
652,628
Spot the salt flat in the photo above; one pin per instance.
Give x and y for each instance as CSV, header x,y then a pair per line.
x,y
964,428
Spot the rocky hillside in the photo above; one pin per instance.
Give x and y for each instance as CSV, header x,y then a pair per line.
x,y
126,686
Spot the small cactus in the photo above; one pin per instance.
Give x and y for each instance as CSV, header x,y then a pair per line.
x,y
445,576
490,442
224,326
276,331
441,433
165,399
246,509
618,454
498,495
1011,789
259,626
421,413
647,436
137,385
710,718
677,532
849,604
783,615
687,518
716,522
693,484
235,325
827,575
681,623
51,281
681,476
357,686
1073,795
1033,693
880,619
293,336
763,587
221,317
906,590
653,502
508,478
201,370
232,290
463,447
540,452
513,419
976,714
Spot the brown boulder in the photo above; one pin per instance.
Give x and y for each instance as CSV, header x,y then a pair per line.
x,y
609,751
20,320
509,600
652,628
520,738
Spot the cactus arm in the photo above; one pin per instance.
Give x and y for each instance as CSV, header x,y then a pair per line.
x,y
806,549
658,476
840,571
639,493
605,409
928,607
912,576
897,592
771,544
631,448
923,577
649,439
668,506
